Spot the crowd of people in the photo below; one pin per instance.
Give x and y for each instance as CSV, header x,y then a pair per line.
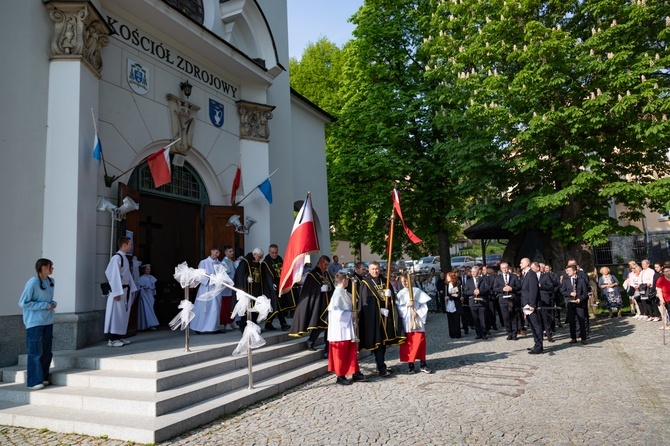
x,y
364,310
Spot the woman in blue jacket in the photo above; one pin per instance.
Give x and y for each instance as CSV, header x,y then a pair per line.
x,y
38,317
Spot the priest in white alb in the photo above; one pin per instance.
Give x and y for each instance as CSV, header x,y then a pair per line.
x,y
207,312
120,298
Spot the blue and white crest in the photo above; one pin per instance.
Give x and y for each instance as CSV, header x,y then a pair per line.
x,y
216,112
138,77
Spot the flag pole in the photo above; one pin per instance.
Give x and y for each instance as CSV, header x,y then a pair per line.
x,y
102,153
252,190
388,264
110,179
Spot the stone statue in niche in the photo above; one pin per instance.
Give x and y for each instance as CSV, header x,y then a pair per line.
x,y
182,122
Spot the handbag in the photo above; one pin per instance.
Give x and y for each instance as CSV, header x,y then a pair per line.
x,y
106,288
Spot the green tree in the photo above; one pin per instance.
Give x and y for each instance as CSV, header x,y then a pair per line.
x,y
554,108
318,74
385,138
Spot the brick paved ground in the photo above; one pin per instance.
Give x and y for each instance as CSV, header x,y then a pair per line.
x,y
616,390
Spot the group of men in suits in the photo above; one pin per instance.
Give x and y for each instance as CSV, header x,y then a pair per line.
x,y
533,296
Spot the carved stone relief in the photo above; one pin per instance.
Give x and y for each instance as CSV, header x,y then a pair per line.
x,y
254,120
78,32
182,122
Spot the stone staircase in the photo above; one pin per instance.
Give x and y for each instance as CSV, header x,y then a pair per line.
x,y
151,390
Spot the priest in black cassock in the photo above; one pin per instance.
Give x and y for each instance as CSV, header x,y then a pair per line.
x,y
271,269
311,314
249,278
378,321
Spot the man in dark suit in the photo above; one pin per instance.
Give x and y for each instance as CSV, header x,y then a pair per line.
x,y
576,294
548,288
530,301
505,287
475,290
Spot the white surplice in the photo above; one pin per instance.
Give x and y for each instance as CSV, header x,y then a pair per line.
x,y
420,306
117,312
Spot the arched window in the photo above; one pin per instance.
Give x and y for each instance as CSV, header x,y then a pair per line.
x,y
185,185
190,8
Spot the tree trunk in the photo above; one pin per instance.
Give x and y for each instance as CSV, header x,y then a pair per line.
x,y
445,256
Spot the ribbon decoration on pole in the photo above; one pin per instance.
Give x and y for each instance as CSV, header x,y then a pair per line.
x,y
396,206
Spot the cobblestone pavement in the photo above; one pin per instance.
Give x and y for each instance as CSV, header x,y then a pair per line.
x,y
613,391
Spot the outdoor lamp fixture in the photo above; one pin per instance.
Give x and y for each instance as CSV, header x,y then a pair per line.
x,y
186,88
248,223
117,213
240,228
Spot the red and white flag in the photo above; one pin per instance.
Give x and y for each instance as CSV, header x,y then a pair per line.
x,y
303,240
396,205
236,184
159,165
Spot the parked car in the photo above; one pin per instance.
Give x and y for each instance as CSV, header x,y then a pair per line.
x,y
493,260
427,264
458,261
348,268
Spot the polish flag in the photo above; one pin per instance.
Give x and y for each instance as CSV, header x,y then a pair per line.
x,y
236,185
303,240
396,206
159,165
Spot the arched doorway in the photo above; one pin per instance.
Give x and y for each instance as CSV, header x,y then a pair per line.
x,y
175,224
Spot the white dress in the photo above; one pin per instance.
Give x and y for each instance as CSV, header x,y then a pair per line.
x,y
207,313
146,317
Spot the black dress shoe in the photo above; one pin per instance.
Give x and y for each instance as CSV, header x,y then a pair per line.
x,y
325,354
358,376
485,336
341,380
535,352
514,338
385,373
285,327
310,347
509,337
270,327
478,337
550,339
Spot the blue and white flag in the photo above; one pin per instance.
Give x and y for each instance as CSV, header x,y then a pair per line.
x,y
266,188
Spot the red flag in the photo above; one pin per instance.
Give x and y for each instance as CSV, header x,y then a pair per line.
x,y
396,206
236,185
159,164
303,240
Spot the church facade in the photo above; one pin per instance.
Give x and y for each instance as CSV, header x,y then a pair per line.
x,y
206,78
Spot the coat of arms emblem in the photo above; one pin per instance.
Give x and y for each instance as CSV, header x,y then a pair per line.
x,y
138,77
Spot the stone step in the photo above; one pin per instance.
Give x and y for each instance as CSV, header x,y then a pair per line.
x,y
148,352
128,400
152,429
157,381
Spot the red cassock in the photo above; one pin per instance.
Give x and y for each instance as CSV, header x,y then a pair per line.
x,y
414,347
342,358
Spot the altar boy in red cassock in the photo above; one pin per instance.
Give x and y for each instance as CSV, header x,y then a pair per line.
x,y
342,359
412,311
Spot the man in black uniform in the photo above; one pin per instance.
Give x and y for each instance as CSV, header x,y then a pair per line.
x,y
248,278
271,268
311,314
379,325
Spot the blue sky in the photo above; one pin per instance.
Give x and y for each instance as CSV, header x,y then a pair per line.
x,y
308,20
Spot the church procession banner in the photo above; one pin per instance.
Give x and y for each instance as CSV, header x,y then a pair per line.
x,y
150,46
